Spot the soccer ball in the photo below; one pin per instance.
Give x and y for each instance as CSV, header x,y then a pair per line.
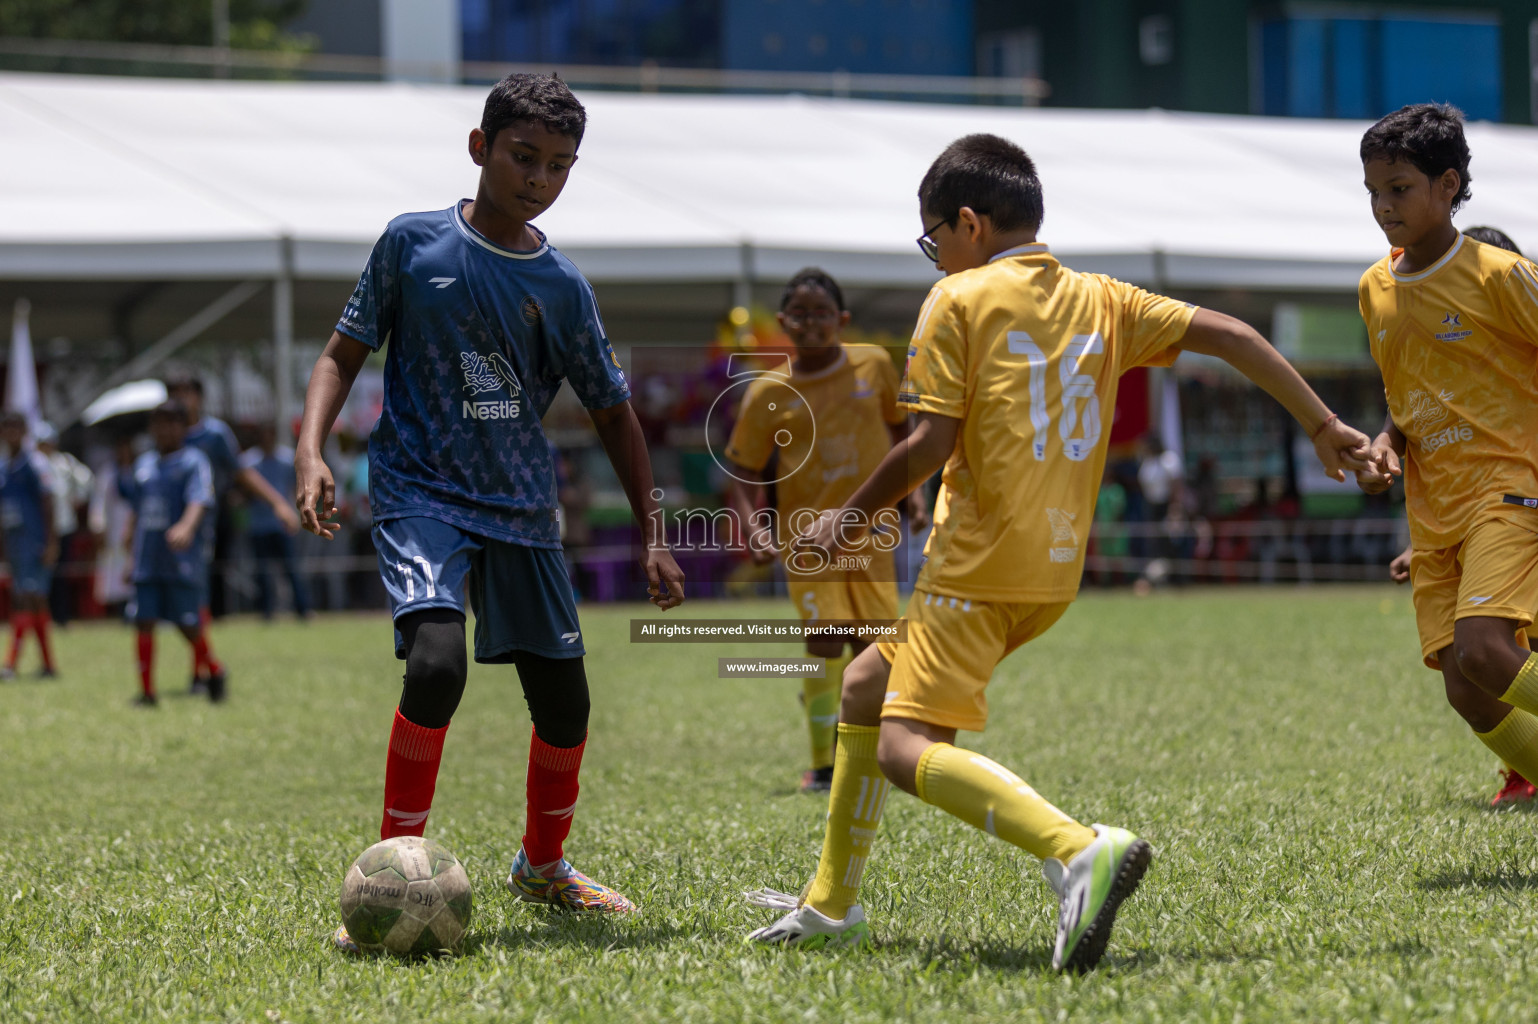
x,y
408,896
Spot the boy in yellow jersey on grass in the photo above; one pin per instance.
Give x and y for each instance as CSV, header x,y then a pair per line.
x,y
824,428
1453,326
1013,360
1515,788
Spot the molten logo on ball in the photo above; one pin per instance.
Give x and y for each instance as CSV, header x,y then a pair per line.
x,y
408,896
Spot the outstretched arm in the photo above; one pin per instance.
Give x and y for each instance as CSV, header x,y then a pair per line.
x,y
620,433
330,383
912,461
1338,446
257,486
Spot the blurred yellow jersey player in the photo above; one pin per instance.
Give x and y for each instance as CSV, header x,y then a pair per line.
x,y
1453,326
1013,373
823,429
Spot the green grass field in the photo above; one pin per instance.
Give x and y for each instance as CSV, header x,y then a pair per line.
x,y
1325,852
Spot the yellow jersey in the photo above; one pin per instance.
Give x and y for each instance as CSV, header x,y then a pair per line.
x,y
1457,344
1027,354
828,427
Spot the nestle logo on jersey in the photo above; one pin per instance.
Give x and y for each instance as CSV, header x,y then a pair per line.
x,y
1443,438
503,410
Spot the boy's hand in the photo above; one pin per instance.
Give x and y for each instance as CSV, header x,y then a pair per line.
x,y
1399,568
180,535
918,513
1383,466
663,573
822,534
315,496
1340,447
763,554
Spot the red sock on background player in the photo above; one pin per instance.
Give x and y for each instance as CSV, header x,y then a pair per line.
x,y
20,623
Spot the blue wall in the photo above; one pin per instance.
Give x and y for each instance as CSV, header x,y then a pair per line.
x,y
914,37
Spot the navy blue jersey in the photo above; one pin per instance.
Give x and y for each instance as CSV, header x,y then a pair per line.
x,y
480,340
214,438
160,487
278,470
25,478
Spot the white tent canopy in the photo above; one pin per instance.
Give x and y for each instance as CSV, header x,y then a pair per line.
x,y
126,178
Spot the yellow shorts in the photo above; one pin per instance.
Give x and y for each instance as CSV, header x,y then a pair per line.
x,y
953,646
1492,574
869,593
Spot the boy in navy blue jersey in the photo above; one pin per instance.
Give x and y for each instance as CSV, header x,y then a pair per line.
x,y
484,319
170,490
31,546
214,438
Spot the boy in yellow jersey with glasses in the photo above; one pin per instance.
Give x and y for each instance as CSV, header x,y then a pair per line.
x,y
826,426
1013,360
1453,326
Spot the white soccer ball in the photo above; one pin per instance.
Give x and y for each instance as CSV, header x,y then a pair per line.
x,y
408,896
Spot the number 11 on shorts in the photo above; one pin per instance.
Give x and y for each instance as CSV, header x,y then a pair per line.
x,y
411,585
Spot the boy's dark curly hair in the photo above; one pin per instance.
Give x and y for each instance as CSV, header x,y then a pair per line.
x,y
1428,135
539,98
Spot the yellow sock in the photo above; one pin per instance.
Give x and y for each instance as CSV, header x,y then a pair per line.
x,y
1515,741
820,698
1523,691
854,810
991,797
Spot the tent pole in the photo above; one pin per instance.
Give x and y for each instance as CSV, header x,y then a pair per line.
x,y
169,345
283,344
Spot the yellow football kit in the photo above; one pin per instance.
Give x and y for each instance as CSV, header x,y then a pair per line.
x,y
829,429
1457,344
1028,355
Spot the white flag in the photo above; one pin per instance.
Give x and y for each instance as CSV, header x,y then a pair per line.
x,y
21,375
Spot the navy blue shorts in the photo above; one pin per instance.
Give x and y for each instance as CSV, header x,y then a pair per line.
x,y
30,576
520,595
166,601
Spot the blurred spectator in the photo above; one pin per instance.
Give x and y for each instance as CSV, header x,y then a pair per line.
x,y
271,544
1160,476
72,481
110,520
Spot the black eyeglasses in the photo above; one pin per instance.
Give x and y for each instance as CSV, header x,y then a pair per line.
x,y
927,245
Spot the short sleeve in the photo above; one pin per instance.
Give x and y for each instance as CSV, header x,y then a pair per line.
x,y
1151,327
886,387
200,482
224,453
370,311
1519,298
128,483
250,457
936,376
750,445
590,363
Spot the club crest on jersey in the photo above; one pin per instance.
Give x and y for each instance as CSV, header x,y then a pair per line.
x,y
485,375
1453,321
1065,540
531,310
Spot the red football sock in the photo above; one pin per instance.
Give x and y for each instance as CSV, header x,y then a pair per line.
x,y
552,795
411,774
40,626
203,657
20,623
200,667
147,663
